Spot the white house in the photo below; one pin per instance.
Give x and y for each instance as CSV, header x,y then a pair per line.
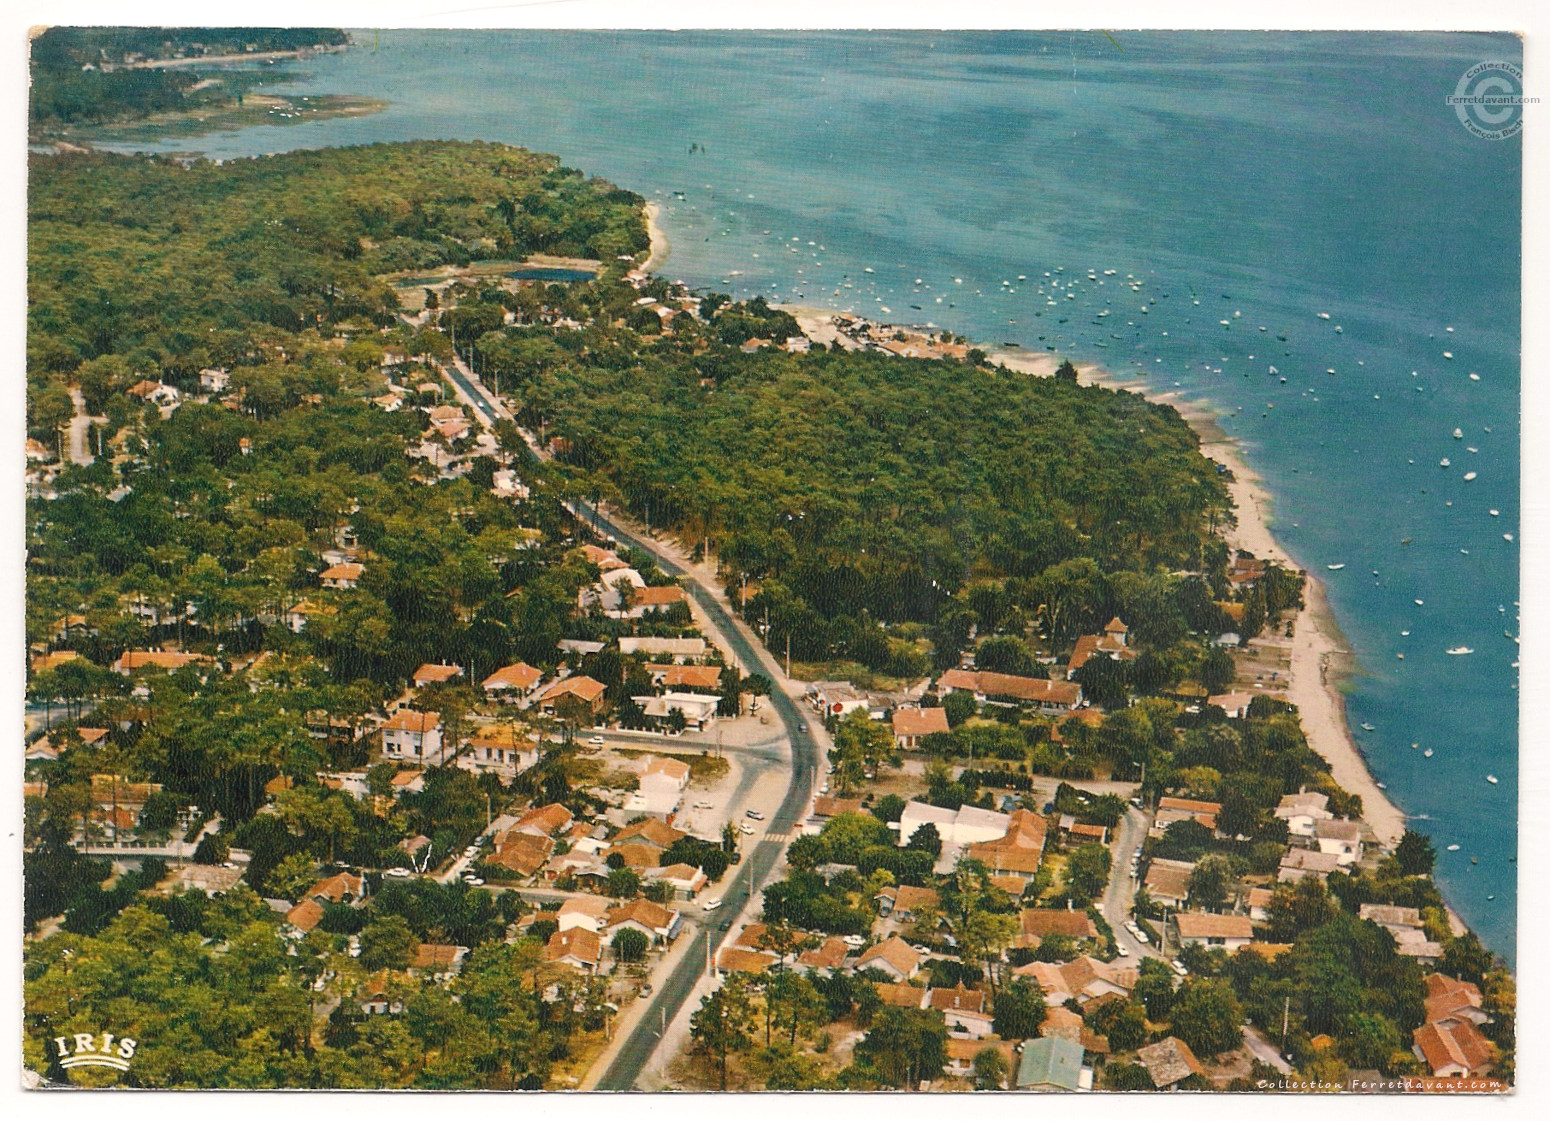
x,y
699,709
589,912
1302,812
661,788
1230,932
964,826
215,379
1342,839
412,735
499,749
678,649
343,576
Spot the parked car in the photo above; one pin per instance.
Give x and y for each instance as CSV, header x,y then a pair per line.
x,y
1180,969
1142,938
755,814
1120,949
398,873
471,851
745,828
711,904
597,741
646,989
702,805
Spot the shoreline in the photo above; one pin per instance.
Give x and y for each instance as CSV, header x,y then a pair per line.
x,y
661,248
1318,646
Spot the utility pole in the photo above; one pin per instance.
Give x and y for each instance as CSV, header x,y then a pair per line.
x,y
788,654
1286,1020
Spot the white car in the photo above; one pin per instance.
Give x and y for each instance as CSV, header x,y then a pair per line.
x,y
755,814
471,851
824,789
745,828
1120,949
711,904
398,873
475,881
1142,938
1180,968
854,941
702,805
597,741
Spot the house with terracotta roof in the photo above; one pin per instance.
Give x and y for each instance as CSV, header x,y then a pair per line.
x,y
967,1011
735,959
658,923
588,911
1258,901
1450,998
435,673
826,806
1037,923
1454,1048
299,615
686,678
1170,810
131,662
658,835
1007,690
543,821
43,663
830,955
1019,851
1113,643
521,857
1061,1022
1084,980
345,575
679,650
1199,928
638,601
911,725
578,694
413,735
900,995
906,903
894,956
577,947
437,962
961,1054
516,682
1169,1062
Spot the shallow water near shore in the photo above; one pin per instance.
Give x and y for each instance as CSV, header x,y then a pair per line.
x,y
1174,181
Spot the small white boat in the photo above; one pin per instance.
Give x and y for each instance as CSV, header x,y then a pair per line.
x,y
1427,753
1492,779
1453,848
1446,462
1447,354
1461,650
1323,315
1420,603
1458,433
1368,727
1334,567
1472,377
1470,476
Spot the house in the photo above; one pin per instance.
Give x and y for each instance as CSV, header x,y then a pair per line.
x,y
1170,810
1454,1048
500,749
521,857
679,650
1197,928
685,880
577,947
675,676
1449,998
1339,838
408,782
214,380
1019,851
898,995
1302,811
580,646
589,912
297,617
541,821
894,956
1258,900
1053,1064
381,995
698,709
642,600
966,1010
1062,1023
962,826
579,695
1084,980
1298,863
605,559
212,879
1037,923
1235,705
1081,833
910,725
131,662
826,806
736,959
650,833
658,923
514,682
1404,923
1169,1062
830,955
907,904
343,576
413,735
434,673
437,962
154,392
43,663
662,784
1113,643
339,889
1004,689
961,1054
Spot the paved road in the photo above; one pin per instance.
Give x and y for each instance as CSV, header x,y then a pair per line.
x,y
1121,892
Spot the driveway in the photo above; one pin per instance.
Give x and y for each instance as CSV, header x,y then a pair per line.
x,y
1121,892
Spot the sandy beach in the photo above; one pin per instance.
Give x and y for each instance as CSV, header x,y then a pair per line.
x,y
661,248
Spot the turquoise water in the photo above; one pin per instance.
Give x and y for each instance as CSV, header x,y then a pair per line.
x,y
1268,177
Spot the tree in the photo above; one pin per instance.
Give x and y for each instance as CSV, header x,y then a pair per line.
x,y
1217,670
1209,881
387,942
291,878
926,839
1154,988
623,883
1087,872
1006,654
1207,1016
905,1046
1019,1010
1415,854
1369,1040
630,945
723,1024
990,1069
959,705
890,807
1465,958
1066,371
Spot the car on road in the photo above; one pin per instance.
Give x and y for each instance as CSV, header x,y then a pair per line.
x,y
1120,950
755,814
398,873
1130,925
801,727
1136,802
824,789
1180,968
702,805
472,879
597,741
471,851
745,828
711,904
1142,938
646,989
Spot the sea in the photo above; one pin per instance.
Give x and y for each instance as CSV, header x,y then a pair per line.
x,y
1295,230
